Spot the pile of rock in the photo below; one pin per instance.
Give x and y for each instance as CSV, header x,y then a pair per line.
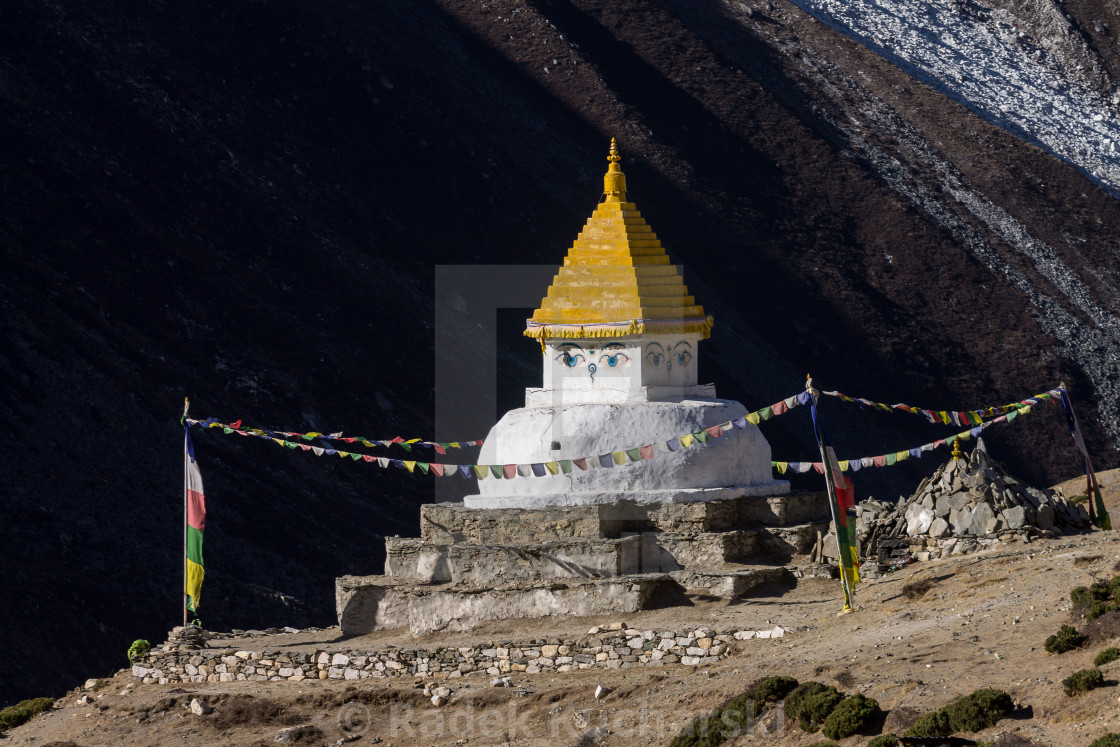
x,y
970,503
186,638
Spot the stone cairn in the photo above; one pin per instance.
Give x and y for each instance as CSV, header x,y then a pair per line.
x,y
186,638
970,503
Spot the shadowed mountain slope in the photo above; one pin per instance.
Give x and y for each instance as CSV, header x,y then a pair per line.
x,y
246,203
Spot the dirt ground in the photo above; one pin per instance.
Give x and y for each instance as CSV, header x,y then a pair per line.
x,y
981,624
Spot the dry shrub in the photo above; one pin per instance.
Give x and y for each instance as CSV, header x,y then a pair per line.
x,y
1085,560
1104,628
917,589
844,679
246,710
900,719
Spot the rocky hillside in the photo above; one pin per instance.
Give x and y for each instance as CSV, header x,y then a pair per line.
x,y
247,203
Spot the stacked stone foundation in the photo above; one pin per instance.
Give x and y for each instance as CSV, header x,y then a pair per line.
x,y
472,565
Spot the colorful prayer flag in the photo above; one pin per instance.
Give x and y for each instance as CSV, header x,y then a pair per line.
x,y
848,574
195,499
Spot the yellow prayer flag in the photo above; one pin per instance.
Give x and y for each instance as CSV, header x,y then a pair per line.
x,y
619,457
782,467
409,465
752,418
686,440
553,467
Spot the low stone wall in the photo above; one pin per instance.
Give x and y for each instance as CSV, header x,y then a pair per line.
x,y
614,647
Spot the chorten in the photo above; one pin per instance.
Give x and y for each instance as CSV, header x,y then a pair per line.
x,y
619,336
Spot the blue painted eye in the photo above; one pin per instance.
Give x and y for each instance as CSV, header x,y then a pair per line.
x,y
571,360
684,358
654,359
617,359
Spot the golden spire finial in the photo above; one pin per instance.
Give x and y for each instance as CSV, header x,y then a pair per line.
x,y
614,183
957,453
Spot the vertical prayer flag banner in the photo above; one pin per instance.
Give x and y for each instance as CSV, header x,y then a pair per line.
x,y
839,518
1100,516
195,500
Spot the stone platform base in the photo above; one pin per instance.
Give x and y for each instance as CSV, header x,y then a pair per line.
x,y
471,565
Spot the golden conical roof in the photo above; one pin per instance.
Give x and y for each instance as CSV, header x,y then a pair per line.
x,y
617,280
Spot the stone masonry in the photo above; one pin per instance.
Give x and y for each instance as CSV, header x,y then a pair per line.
x,y
471,565
614,646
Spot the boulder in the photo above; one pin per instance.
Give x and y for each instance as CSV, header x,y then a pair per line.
x,y
942,508
939,528
1045,516
960,518
959,500
981,515
919,522
1015,517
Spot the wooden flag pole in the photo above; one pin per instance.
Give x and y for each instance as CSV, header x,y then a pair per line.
x,y
830,486
186,409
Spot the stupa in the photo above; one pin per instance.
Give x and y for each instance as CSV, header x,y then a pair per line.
x,y
591,502
620,342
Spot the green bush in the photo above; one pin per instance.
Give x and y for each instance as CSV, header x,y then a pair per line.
x,y
974,712
138,650
979,711
1108,740
1108,655
1066,639
723,722
934,724
773,689
884,740
1100,608
1083,681
824,744
1084,596
850,716
1114,587
816,706
21,712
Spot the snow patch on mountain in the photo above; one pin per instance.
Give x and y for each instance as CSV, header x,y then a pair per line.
x,y
999,71
919,173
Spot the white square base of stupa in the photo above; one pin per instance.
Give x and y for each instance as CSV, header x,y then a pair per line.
x,y
682,495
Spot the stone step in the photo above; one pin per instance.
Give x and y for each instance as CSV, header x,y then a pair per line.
x,y
418,561
369,603
454,523
732,583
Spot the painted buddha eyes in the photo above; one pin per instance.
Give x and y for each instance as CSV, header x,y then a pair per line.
x,y
613,355
679,355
